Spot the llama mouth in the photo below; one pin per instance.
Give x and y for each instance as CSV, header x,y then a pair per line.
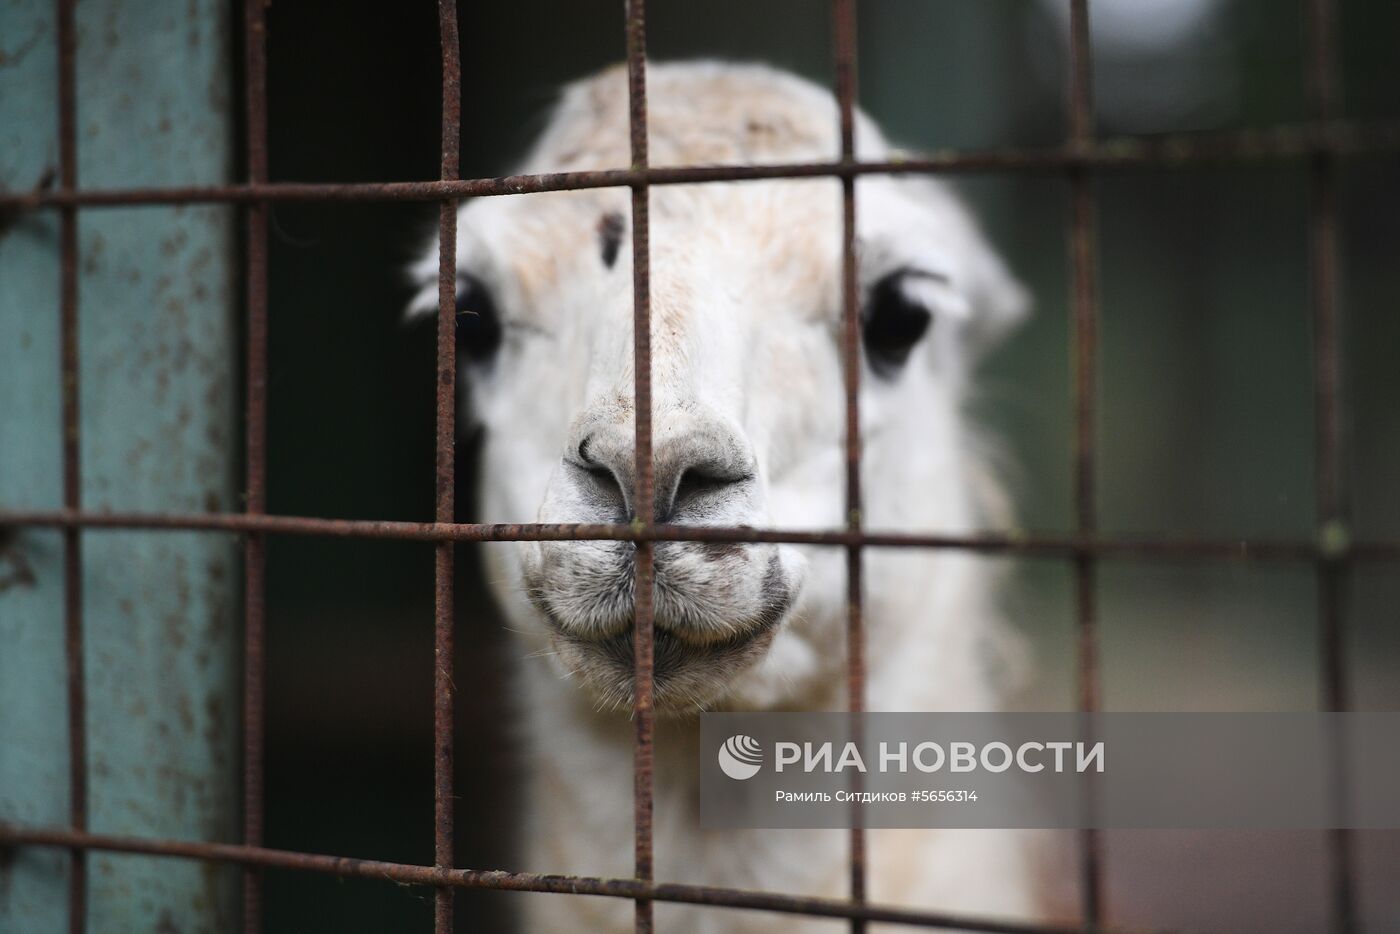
x,y
698,650
672,653
685,673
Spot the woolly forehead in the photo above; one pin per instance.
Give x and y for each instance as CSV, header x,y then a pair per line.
x,y
739,241
771,245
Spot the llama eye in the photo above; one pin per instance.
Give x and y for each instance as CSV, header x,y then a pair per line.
x,y
893,323
478,327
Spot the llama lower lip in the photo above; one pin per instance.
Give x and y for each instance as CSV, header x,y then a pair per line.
x,y
669,649
698,653
679,666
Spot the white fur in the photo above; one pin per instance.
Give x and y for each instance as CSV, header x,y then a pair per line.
x,y
746,373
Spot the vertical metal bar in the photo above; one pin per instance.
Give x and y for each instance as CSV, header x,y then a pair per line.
x,y
1322,82
446,468
844,29
1084,304
254,549
1327,377
642,699
72,478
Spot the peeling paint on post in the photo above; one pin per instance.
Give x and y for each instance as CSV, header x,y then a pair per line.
x,y
158,385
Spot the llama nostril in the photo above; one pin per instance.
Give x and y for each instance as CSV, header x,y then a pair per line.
x,y
697,474
606,489
696,487
608,494
695,483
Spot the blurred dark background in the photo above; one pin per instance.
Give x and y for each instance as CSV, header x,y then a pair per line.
x,y
1205,407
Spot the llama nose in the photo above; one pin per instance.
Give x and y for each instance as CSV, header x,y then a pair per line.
x,y
698,472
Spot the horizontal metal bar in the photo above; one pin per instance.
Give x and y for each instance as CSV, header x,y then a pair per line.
x,y
1285,142
1009,543
412,874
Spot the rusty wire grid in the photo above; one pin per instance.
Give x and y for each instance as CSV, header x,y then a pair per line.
x,y
1322,142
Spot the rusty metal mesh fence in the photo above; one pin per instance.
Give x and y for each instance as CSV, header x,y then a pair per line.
x,y
1321,143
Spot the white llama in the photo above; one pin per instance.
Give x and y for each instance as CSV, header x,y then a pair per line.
x,y
748,417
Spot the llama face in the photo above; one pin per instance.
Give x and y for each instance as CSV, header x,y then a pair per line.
x,y
748,405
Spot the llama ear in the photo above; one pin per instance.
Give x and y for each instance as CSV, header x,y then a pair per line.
x,y
422,277
919,223
998,302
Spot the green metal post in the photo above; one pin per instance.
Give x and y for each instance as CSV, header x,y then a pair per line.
x,y
158,431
